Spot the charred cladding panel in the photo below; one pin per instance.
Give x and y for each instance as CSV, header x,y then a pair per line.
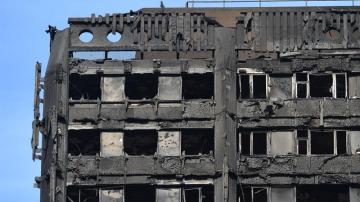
x,y
185,104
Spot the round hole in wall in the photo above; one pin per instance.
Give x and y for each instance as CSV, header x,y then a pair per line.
x,y
114,37
86,36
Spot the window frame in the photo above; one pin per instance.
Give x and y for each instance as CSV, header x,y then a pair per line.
x,y
251,85
252,143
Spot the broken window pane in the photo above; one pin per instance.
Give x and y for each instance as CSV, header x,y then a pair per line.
x,y
169,143
322,142
141,86
245,86
260,195
84,87
111,195
317,193
197,141
168,195
259,143
113,89
84,142
140,193
259,86
321,85
170,88
283,195
198,86
245,143
340,86
244,194
140,142
111,144
282,143
341,142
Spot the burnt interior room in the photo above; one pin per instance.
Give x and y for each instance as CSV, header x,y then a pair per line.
x,y
140,142
77,194
253,143
140,193
141,86
197,141
322,193
83,142
198,86
251,86
198,194
84,87
321,85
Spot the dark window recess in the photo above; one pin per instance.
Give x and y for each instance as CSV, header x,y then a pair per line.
x,y
140,142
84,87
302,136
320,193
259,143
301,90
245,143
341,142
198,86
141,86
340,86
320,85
260,195
140,193
203,194
302,144
197,141
244,194
81,195
84,142
245,87
301,77
322,142
259,82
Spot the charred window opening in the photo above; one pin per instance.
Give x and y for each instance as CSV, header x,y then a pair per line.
x,y
198,86
328,193
197,141
322,142
140,142
302,137
84,87
321,85
81,195
341,142
198,194
141,86
83,142
252,194
253,143
252,86
140,193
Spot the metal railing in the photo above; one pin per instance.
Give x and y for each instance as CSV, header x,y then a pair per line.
x,y
192,3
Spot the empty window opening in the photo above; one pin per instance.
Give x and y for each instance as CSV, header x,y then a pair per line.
x,y
84,87
82,195
141,86
198,194
197,141
322,142
140,193
114,37
83,142
302,138
253,143
252,194
86,36
121,55
321,85
198,86
341,142
140,142
253,86
328,193
111,195
341,91
89,55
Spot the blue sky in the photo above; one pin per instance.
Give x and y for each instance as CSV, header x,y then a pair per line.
x,y
23,41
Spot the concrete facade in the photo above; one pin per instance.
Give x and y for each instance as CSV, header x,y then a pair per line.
x,y
202,105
